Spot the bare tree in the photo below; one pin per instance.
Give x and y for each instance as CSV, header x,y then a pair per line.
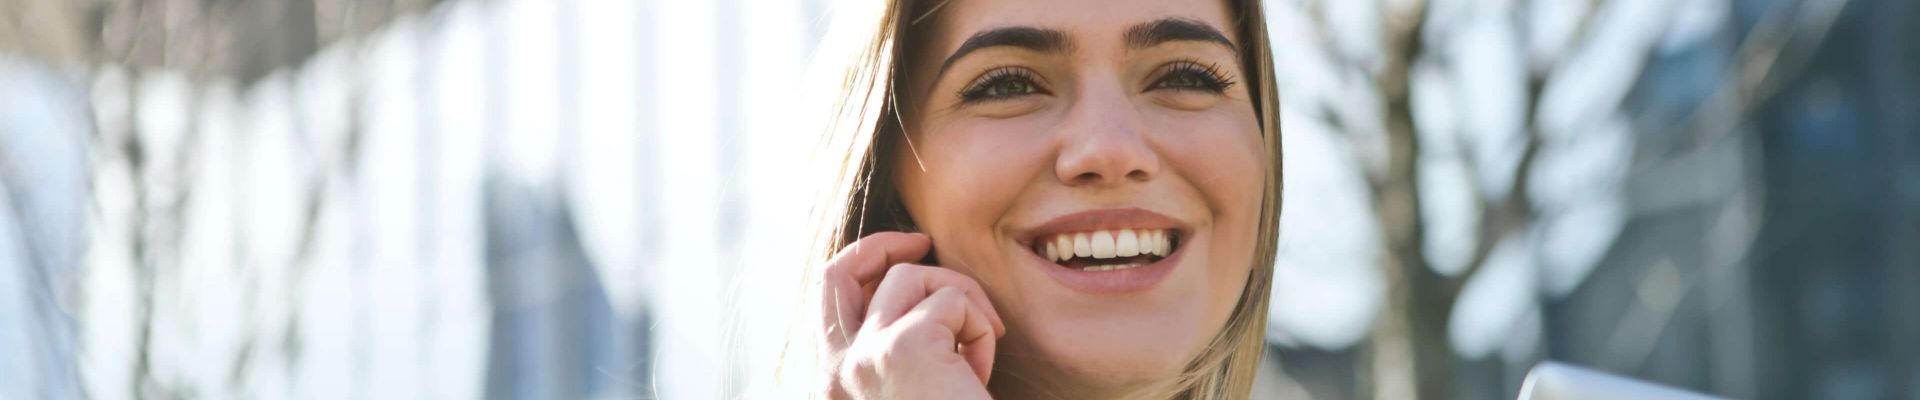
x,y
1460,111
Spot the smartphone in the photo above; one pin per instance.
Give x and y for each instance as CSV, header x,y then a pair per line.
x,y
1556,381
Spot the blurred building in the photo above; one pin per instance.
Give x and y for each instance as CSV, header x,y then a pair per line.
x,y
567,199
1814,304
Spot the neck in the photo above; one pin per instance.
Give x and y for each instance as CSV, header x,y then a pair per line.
x,y
1010,384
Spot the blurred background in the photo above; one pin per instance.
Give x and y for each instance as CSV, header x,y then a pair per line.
x,y
595,199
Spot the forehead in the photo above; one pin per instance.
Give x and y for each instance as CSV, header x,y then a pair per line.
x,y
1087,22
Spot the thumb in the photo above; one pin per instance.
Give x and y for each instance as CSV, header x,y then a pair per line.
x,y
977,342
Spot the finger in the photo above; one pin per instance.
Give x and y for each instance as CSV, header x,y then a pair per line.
x,y
906,285
977,339
842,284
947,318
867,291
867,259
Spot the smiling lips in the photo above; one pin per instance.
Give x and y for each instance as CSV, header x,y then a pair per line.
x,y
1107,250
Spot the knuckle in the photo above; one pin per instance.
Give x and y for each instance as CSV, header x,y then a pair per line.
x,y
972,285
900,340
945,272
947,299
902,271
923,335
960,281
835,267
967,283
891,342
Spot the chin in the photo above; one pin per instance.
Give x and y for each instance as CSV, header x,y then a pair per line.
x,y
1127,352
1123,365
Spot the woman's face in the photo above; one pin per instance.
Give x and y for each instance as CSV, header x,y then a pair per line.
x,y
1097,166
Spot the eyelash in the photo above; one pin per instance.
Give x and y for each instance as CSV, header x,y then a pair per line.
x,y
1209,76
981,89
1209,79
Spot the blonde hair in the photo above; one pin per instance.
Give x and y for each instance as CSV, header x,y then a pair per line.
x,y
862,128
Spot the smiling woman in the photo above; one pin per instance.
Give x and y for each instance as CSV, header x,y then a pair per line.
x,y
1068,199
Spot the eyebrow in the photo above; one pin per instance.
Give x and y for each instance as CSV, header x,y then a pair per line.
x,y
1140,36
1036,39
1173,30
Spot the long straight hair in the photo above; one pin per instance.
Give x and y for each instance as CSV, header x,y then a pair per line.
x,y
864,48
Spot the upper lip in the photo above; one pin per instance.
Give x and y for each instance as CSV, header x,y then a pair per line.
x,y
1103,219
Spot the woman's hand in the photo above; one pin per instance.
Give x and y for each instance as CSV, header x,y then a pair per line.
x,y
895,330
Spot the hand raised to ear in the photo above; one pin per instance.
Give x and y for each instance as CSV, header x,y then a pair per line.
x,y
895,330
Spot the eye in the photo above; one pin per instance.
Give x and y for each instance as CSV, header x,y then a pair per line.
x,y
1192,75
1002,83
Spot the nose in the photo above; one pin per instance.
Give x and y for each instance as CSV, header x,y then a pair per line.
x,y
1104,142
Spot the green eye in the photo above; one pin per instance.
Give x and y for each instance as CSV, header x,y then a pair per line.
x,y
1185,80
1003,83
1189,75
1006,88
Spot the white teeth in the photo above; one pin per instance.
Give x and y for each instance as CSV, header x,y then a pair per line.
x,y
1103,268
1102,244
1106,244
1150,242
1126,244
1066,247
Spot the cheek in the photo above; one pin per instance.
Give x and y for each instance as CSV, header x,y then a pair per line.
x,y
973,175
1222,156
